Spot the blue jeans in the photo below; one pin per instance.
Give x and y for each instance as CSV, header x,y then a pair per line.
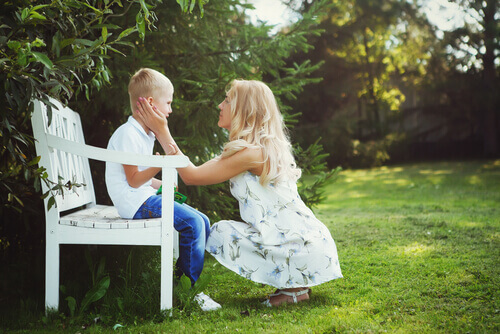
x,y
193,227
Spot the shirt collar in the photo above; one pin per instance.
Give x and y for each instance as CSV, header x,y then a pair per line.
x,y
136,124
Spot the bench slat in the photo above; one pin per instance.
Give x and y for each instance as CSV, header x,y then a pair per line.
x,y
105,217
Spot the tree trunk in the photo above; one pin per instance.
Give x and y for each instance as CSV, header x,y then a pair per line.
x,y
373,103
490,135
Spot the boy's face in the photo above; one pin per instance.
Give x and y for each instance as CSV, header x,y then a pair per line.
x,y
163,102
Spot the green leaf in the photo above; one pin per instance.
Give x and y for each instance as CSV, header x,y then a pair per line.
x,y
141,25
42,57
71,305
66,42
144,7
37,43
22,58
52,201
115,51
49,114
185,283
39,7
87,92
34,161
104,34
200,5
24,14
97,292
129,44
100,267
126,32
14,45
93,8
37,16
183,4
116,326
82,41
36,184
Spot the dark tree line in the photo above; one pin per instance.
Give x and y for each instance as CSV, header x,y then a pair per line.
x,y
394,89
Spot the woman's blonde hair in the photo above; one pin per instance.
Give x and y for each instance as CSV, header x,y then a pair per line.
x,y
148,82
257,122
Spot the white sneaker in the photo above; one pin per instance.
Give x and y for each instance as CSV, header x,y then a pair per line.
x,y
206,303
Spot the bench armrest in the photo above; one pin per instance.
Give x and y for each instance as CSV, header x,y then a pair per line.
x,y
124,158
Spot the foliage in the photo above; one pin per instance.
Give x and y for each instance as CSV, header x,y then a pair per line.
x,y
56,48
376,60
100,284
313,163
201,56
185,293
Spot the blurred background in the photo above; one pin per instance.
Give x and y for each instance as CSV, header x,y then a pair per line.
x,y
401,80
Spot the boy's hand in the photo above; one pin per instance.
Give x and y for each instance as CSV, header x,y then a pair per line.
x,y
151,116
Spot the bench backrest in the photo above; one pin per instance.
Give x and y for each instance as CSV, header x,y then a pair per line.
x,y
62,166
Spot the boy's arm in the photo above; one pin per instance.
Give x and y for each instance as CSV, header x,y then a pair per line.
x,y
155,183
136,178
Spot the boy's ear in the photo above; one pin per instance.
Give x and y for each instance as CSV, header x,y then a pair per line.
x,y
150,99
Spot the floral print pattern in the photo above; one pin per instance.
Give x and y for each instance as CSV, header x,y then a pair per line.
x,y
280,242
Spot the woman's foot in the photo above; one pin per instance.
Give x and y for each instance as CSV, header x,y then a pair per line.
x,y
282,296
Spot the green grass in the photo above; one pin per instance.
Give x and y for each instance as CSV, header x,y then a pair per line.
x,y
419,246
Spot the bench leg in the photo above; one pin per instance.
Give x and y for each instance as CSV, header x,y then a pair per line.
x,y
166,278
51,275
167,230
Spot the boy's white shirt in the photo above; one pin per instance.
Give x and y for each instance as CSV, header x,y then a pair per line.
x,y
129,137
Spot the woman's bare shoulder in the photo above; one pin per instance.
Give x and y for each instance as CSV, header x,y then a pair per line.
x,y
255,157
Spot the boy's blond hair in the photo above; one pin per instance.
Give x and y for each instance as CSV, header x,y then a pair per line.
x,y
147,82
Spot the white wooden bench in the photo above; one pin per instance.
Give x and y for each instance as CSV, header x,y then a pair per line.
x,y
64,154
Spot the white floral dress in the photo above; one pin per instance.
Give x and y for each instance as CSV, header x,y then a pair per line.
x,y
280,242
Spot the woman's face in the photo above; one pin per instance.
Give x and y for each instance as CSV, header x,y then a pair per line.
x,y
225,114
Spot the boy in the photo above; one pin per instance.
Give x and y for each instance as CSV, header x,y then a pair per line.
x,y
133,188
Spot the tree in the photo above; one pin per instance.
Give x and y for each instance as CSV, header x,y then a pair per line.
x,y
478,45
201,55
370,53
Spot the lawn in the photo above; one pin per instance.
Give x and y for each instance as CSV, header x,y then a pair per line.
x,y
419,246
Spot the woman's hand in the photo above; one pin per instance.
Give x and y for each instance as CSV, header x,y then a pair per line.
x,y
151,116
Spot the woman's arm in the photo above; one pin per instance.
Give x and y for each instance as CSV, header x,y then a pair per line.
x,y
222,169
212,172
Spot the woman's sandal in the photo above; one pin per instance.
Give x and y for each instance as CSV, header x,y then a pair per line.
x,y
279,292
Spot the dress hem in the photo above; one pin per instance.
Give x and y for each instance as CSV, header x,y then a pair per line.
x,y
253,279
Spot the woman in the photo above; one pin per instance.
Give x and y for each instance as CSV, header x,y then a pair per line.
x,y
280,242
